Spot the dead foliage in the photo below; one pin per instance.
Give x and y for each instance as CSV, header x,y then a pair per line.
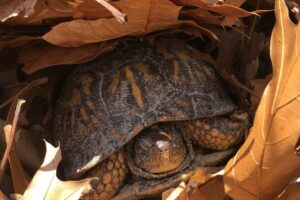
x,y
254,49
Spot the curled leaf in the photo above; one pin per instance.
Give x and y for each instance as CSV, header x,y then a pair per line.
x,y
45,184
266,162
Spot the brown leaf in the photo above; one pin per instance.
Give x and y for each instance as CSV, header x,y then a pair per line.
x,y
291,192
236,3
60,5
173,193
39,15
90,9
259,86
144,16
212,190
16,42
37,56
203,183
45,184
29,149
19,177
2,196
224,15
266,162
10,9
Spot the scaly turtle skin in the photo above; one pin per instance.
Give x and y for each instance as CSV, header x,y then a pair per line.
x,y
159,151
105,104
218,133
111,173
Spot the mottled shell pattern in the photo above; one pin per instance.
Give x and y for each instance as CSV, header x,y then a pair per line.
x,y
104,104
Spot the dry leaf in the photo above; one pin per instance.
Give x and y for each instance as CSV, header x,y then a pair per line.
x,y
203,183
16,42
144,16
37,56
60,5
266,162
90,9
259,86
212,190
236,3
30,154
292,192
45,185
19,177
224,15
173,193
2,196
37,12
10,9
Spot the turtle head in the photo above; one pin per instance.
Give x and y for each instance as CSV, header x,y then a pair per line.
x,y
160,148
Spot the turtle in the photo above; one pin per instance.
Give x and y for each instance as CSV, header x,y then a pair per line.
x,y
141,115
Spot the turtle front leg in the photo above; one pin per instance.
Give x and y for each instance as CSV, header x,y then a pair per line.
x,y
220,132
111,174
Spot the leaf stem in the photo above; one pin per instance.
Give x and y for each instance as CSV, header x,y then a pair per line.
x,y
32,84
9,136
121,17
240,85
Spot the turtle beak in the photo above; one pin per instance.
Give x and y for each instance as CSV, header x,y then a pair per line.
x,y
163,147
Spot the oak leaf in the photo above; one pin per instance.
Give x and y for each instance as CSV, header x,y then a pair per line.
x,y
266,162
144,16
10,9
46,185
292,191
236,3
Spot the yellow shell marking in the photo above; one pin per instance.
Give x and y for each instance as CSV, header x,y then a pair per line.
x,y
182,102
86,81
114,83
176,70
75,98
164,52
84,114
135,88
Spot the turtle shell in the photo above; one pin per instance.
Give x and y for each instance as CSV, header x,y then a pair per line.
x,y
104,104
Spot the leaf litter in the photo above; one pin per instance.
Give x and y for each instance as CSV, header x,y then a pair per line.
x,y
276,126
45,184
229,35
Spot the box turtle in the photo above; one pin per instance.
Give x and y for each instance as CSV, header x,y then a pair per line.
x,y
143,110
